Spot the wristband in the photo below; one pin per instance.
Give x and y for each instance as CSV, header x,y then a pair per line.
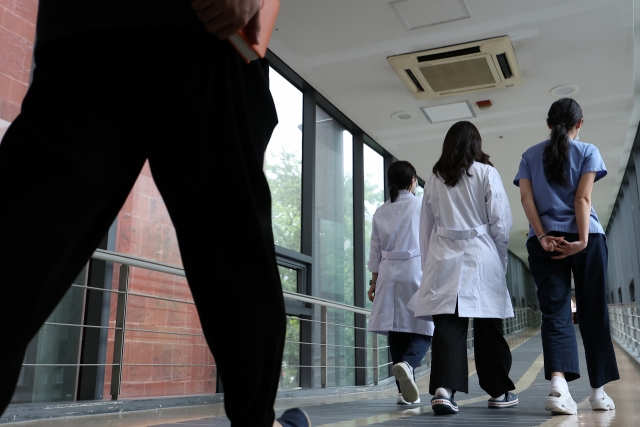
x,y
543,236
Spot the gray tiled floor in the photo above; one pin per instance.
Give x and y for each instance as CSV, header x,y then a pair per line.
x,y
530,411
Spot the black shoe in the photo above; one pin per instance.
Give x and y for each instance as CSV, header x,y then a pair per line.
x,y
444,405
294,417
510,399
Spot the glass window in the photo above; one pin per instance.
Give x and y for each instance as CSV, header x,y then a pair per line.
x,y
164,332
290,377
50,371
333,252
419,191
288,278
373,199
283,163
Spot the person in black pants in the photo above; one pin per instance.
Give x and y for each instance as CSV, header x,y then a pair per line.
x,y
464,235
556,178
116,83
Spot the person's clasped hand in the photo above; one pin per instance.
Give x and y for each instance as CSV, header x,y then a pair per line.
x,y
569,248
223,18
550,243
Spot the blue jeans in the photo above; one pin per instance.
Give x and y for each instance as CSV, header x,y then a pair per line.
x,y
553,280
408,347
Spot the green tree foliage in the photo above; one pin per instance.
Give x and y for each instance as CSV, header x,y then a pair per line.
x,y
284,174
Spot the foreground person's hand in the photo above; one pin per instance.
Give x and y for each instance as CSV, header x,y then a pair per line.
x,y
223,18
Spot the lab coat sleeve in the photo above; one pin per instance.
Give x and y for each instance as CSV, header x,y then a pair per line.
x,y
427,221
499,214
375,253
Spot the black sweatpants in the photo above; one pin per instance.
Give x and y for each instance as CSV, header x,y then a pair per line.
x,y
100,105
449,368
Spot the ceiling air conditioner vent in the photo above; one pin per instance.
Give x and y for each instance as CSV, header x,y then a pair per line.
x,y
481,65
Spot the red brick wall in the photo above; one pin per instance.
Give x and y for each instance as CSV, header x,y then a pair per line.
x,y
145,230
17,32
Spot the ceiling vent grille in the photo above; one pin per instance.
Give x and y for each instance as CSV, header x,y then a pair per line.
x,y
470,67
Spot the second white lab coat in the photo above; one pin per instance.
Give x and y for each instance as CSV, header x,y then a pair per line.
x,y
464,235
395,255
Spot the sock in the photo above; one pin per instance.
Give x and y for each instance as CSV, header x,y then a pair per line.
x,y
597,393
499,398
559,383
443,392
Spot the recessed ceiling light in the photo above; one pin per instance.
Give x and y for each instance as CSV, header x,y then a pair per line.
x,y
565,90
448,112
416,14
404,116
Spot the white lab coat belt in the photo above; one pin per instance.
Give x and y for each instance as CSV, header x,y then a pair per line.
x,y
463,234
401,254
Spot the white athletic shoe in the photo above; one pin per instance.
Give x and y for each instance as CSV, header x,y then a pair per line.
x,y
605,403
404,375
401,401
560,403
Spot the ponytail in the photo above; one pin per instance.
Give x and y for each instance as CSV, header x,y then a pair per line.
x,y
393,192
564,114
555,155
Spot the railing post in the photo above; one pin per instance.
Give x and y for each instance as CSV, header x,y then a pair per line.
x,y
323,346
118,340
376,363
632,331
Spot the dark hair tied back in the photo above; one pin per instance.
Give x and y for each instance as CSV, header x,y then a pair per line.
x,y
462,146
564,114
400,176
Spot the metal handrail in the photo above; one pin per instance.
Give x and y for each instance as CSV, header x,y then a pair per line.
x,y
134,261
523,318
624,322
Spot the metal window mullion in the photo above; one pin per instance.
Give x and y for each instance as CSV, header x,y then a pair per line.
x,y
323,347
118,341
359,256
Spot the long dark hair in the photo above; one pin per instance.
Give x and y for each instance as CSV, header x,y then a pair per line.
x,y
564,114
400,177
462,146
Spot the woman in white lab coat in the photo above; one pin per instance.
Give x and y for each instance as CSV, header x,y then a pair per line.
x,y
464,234
394,261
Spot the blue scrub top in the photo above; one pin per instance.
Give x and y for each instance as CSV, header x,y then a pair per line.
x,y
555,203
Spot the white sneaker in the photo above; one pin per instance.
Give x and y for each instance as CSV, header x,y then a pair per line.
x,y
404,375
560,403
401,401
605,403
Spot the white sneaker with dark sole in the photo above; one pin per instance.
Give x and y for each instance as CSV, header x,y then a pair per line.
x,y
404,375
605,403
401,401
560,403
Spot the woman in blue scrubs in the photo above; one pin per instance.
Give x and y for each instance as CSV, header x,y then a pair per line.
x,y
565,236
